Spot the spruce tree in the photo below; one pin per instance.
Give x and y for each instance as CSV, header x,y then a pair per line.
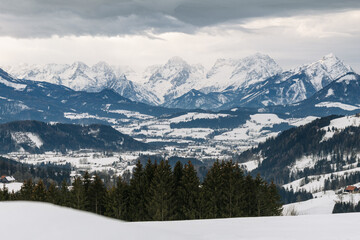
x,y
86,184
260,189
274,206
250,197
52,194
39,192
137,197
64,199
232,182
161,206
178,200
97,194
77,193
116,200
190,193
213,192
4,194
228,184
149,173
238,209
26,191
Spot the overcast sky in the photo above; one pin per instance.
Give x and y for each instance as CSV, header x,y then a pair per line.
x,y
145,32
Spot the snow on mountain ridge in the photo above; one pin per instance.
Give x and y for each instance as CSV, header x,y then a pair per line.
x,y
80,77
241,73
173,79
229,80
325,70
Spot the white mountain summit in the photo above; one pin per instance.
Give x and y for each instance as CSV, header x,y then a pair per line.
x,y
240,73
80,77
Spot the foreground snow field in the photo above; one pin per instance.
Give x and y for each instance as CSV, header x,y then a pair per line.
x,y
30,220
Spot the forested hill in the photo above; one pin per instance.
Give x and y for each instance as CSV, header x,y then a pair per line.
x,y
38,137
50,173
325,145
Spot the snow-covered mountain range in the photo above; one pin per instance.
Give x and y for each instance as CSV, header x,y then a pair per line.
x,y
80,77
254,81
270,88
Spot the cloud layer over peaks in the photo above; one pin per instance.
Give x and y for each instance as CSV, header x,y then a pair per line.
x,y
44,18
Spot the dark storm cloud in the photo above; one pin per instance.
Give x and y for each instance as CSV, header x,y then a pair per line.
x,y
42,18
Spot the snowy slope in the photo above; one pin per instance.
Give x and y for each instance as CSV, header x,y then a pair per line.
x,y
294,85
257,81
240,73
325,70
323,203
226,80
339,97
12,187
173,79
44,221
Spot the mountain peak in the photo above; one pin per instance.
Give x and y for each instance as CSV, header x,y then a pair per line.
x,y
102,66
259,56
79,65
330,56
176,61
330,60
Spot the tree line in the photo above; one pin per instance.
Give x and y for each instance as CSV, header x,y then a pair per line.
x,y
346,207
156,192
48,172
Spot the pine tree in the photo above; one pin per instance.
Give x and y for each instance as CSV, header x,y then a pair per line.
x,y
232,185
116,200
52,194
274,206
97,195
228,184
239,193
178,200
213,192
149,173
86,184
26,191
137,195
4,194
39,192
190,193
64,199
250,203
78,197
161,206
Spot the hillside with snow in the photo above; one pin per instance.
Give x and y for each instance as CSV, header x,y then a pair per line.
x,y
64,223
39,137
321,158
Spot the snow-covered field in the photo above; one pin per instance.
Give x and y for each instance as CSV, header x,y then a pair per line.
x,y
337,105
83,160
12,187
31,220
322,203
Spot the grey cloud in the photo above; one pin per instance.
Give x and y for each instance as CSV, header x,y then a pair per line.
x,y
42,18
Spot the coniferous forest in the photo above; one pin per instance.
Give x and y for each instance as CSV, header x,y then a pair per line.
x,y
156,192
346,207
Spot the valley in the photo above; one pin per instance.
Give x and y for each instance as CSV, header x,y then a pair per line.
x,y
107,129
